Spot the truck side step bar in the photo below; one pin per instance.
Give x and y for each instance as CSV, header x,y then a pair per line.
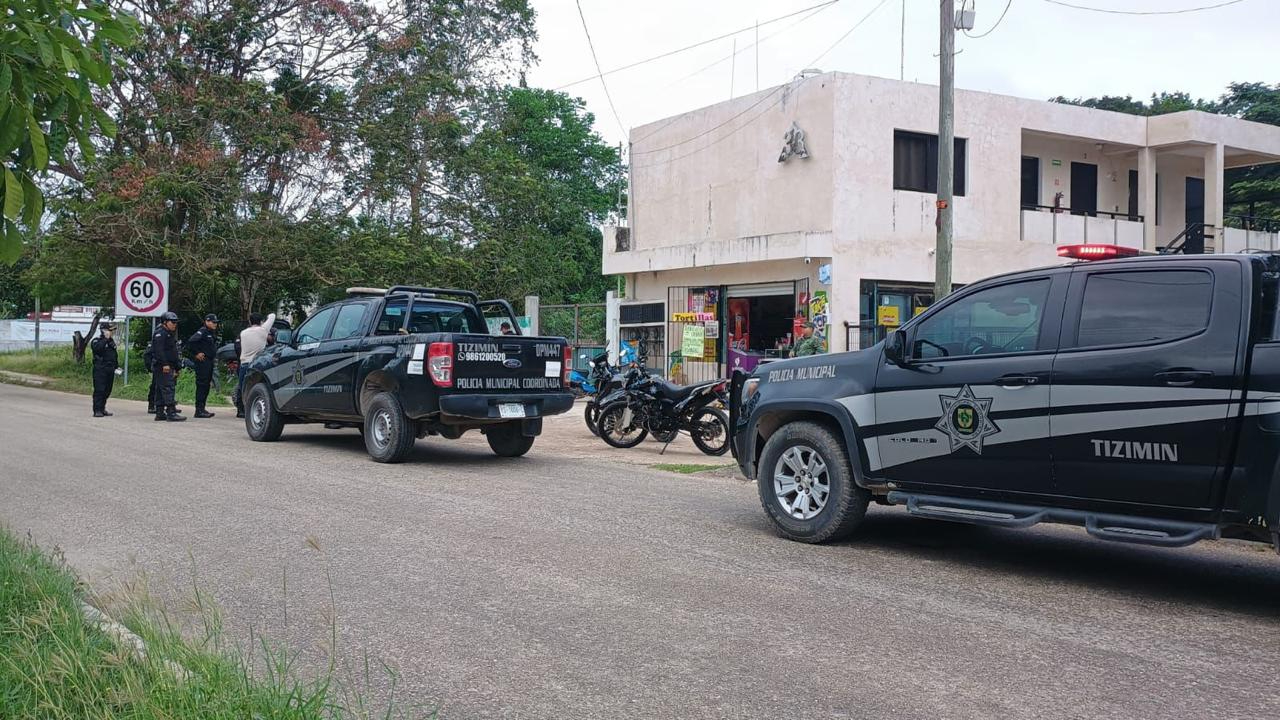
x,y
1120,528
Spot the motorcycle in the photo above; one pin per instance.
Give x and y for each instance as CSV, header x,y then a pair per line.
x,y
600,382
647,404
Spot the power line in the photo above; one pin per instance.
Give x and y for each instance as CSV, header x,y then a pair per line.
x,y
1144,12
754,105
698,44
596,60
1007,5
816,9
847,33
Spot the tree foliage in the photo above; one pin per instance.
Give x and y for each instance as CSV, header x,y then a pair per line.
x,y
52,54
272,152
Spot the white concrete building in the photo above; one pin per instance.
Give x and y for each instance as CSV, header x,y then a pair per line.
x,y
720,224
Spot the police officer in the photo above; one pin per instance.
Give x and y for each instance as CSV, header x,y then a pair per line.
x,y
105,361
808,345
202,346
165,368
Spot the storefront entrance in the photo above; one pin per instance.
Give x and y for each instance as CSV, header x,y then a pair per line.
x,y
884,306
714,330
763,322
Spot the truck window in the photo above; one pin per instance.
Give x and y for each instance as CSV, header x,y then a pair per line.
x,y
1144,306
431,317
1001,319
392,318
348,324
313,330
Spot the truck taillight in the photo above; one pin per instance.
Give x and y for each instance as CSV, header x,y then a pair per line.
x,y
1095,252
440,363
568,365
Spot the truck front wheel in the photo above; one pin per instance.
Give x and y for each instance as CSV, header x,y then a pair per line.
x,y
261,419
388,434
806,484
508,439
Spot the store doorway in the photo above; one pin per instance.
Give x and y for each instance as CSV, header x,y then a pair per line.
x,y
762,322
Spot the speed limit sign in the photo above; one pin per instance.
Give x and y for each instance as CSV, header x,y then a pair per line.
x,y
142,292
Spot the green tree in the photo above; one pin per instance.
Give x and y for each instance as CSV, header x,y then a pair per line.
x,y
53,53
533,185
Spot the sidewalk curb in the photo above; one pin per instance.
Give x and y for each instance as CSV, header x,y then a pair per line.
x,y
126,638
17,378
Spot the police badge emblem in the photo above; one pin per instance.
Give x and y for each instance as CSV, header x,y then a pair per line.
x,y
966,420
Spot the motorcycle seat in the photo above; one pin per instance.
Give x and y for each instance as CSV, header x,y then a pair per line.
x,y
677,393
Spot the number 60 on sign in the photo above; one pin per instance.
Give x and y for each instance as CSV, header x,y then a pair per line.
x,y
142,292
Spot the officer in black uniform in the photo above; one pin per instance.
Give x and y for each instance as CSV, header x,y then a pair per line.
x,y
105,361
165,367
202,346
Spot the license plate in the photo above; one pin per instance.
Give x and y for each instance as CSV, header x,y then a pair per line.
x,y
511,410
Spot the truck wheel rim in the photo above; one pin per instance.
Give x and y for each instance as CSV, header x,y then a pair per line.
x,y
382,428
801,482
259,413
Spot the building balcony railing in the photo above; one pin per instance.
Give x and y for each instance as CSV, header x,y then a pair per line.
x,y
1089,213
1062,227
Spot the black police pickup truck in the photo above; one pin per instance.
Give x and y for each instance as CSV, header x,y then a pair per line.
x,y
1138,397
405,363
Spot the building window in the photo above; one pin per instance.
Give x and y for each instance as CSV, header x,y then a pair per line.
x,y
915,162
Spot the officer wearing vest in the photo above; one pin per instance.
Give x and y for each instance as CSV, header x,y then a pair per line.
x,y
202,346
105,361
165,368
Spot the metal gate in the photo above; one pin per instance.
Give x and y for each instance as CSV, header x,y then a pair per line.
x,y
582,324
694,312
860,337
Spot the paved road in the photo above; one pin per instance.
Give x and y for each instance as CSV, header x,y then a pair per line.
x,y
541,588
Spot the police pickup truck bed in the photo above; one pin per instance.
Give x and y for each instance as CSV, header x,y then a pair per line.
x,y
1138,397
408,362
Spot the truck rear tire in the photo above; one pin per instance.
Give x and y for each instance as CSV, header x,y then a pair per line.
x,y
806,484
262,421
508,439
388,434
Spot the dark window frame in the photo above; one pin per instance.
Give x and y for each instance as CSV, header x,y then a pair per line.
x,y
910,176
1074,337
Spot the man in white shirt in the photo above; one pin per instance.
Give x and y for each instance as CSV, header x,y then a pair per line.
x,y
253,340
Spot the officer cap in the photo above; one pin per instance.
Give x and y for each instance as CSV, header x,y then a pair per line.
x,y
169,317
211,317
108,326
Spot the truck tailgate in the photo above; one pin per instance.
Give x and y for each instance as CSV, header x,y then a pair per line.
x,y
507,364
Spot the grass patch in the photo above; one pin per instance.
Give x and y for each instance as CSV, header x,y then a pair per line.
x,y
688,468
54,664
56,363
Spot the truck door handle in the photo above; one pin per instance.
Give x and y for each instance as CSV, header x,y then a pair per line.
x,y
1182,378
1016,380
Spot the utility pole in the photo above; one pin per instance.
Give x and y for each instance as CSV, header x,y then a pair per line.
x,y
946,148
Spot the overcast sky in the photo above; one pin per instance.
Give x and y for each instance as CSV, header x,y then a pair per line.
x,y
1038,51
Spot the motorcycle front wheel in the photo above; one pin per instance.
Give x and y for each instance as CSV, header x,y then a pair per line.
x,y
710,431
618,426
591,414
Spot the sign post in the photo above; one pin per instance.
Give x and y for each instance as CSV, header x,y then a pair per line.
x,y
140,292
